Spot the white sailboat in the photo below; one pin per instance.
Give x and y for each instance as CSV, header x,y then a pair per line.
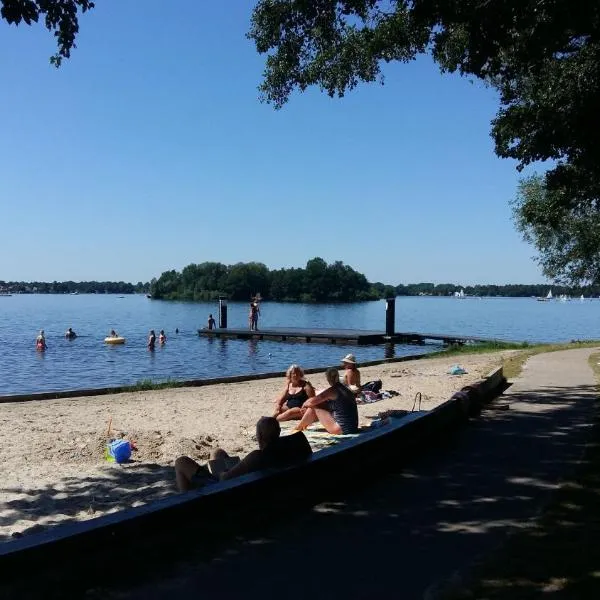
x,y
460,294
582,298
547,298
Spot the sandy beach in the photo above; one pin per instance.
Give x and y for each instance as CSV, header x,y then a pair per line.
x,y
52,456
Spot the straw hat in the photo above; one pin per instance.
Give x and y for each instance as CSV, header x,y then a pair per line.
x,y
349,358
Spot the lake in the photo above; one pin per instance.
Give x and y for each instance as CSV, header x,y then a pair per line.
x,y
88,362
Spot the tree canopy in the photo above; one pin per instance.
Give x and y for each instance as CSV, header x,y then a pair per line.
x,y
60,17
565,235
317,282
542,56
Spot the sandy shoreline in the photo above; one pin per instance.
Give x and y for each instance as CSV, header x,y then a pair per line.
x,y
52,466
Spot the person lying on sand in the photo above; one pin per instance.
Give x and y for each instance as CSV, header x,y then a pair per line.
x,y
335,407
273,451
297,391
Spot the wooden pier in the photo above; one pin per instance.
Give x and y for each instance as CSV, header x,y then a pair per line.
x,y
340,336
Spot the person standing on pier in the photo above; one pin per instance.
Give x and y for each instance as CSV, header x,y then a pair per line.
x,y
253,316
211,322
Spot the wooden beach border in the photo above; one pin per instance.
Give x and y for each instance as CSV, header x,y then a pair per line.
x,y
141,540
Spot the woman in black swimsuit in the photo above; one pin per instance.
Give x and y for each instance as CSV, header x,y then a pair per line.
x,y
334,407
297,391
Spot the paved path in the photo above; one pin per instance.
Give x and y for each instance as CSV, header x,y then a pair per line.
x,y
419,525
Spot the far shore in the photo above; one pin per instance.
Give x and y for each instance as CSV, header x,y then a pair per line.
x,y
52,456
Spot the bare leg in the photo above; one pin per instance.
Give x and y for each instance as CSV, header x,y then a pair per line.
x,y
291,414
310,416
326,419
185,469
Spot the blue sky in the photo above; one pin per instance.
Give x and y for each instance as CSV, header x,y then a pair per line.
x,y
150,150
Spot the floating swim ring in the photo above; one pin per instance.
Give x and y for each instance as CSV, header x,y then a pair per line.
x,y
114,340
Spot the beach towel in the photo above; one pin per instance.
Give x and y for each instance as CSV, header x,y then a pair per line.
x,y
457,370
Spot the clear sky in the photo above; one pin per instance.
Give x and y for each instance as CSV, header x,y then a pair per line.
x,y
149,150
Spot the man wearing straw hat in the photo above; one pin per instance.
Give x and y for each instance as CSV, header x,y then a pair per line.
x,y
351,373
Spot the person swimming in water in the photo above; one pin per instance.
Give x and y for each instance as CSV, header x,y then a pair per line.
x,y
40,342
162,338
151,340
70,334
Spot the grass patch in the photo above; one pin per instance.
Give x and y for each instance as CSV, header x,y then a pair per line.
x,y
147,384
512,363
478,348
558,556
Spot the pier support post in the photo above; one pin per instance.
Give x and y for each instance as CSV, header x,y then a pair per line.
x,y
222,313
390,316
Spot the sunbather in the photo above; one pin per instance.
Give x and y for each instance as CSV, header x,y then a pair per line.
x,y
297,391
273,451
335,407
351,373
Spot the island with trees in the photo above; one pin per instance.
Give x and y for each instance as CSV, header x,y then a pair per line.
x,y
316,282
320,282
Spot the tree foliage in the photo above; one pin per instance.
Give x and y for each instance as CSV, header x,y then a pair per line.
x,y
61,17
566,235
542,56
317,282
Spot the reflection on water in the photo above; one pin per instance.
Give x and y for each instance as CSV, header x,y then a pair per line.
x,y
87,362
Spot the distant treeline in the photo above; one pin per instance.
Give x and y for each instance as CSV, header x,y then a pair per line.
x,y
70,287
509,290
317,282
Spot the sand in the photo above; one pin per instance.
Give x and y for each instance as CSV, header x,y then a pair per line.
x,y
52,466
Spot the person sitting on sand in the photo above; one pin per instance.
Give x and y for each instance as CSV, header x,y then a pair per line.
x,y
273,451
297,391
162,338
335,408
151,340
40,341
70,334
351,373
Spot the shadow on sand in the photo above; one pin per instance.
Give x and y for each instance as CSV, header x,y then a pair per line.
x,y
394,533
71,498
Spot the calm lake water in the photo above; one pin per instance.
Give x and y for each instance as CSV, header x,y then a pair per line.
x,y
87,362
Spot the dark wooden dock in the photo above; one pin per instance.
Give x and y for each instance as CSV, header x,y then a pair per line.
x,y
359,337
